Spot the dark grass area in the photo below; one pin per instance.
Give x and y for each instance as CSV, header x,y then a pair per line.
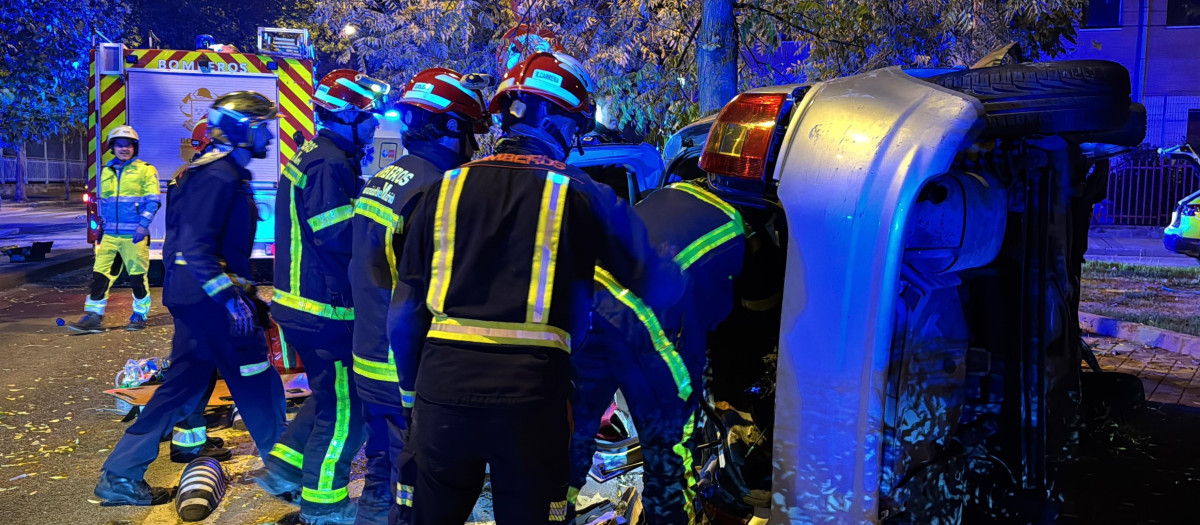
x,y
1158,296
1145,470
1188,275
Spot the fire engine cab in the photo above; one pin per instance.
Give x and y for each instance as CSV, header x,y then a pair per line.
x,y
164,93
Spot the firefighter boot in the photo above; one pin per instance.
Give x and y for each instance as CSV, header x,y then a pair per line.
x,y
207,450
137,323
338,514
277,484
116,491
90,323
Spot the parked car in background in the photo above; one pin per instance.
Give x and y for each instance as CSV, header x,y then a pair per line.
x,y
1182,236
905,346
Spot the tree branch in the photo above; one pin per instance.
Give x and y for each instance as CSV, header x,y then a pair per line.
x,y
805,30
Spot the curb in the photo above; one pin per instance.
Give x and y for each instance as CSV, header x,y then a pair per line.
x,y
65,261
1139,333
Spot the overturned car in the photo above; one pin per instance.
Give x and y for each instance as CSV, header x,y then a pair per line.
x,y
905,347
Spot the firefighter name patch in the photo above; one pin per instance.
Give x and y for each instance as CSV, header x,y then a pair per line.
x,y
542,74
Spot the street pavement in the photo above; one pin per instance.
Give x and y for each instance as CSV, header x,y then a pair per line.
x,y
57,426
1133,245
57,221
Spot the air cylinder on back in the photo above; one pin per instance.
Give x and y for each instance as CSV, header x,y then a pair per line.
x,y
201,488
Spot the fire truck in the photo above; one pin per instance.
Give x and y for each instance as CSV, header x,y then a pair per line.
x,y
164,93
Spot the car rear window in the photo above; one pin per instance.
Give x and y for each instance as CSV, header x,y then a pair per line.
x,y
615,176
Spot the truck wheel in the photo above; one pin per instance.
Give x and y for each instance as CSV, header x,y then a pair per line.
x,y
1045,98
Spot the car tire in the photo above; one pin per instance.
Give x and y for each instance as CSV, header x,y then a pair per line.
x,y
1046,98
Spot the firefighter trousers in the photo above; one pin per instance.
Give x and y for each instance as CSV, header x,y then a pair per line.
x,y
201,345
191,433
136,258
327,432
383,488
608,361
524,446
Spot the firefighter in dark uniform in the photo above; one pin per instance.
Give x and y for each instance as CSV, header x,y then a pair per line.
x,y
493,292
189,438
441,118
211,220
312,302
656,357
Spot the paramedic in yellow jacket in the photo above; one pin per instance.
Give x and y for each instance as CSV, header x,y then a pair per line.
x,y
128,199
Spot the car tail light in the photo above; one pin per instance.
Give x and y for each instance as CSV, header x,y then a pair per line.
x,y
740,141
87,197
270,249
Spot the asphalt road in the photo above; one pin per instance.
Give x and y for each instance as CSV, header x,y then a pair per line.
x,y
57,426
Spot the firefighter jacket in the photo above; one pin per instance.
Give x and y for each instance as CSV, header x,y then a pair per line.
x,y
128,196
380,215
495,279
314,204
211,218
708,239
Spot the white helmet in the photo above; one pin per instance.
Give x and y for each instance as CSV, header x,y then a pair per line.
x,y
122,132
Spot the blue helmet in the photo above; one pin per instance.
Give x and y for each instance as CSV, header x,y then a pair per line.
x,y
233,116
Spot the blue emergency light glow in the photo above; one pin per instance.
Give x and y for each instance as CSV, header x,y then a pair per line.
x,y
132,59
94,225
272,66
392,114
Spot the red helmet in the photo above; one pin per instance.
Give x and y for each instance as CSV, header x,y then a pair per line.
x,y
200,139
440,90
347,89
522,41
553,76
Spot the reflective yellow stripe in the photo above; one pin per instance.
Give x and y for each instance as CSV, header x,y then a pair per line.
x,y
294,248
331,217
189,437
379,213
293,174
376,370
708,242
295,302
545,245
558,510
404,495
325,492
254,369
735,227
324,496
663,345
288,455
500,333
407,398
283,350
689,475
443,239
706,196
217,284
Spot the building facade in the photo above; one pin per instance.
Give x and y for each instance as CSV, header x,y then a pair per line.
x,y
1159,42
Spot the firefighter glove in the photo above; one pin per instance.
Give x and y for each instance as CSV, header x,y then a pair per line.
x,y
140,234
241,316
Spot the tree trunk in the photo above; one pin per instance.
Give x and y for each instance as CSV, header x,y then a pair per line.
x,y
716,55
22,173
